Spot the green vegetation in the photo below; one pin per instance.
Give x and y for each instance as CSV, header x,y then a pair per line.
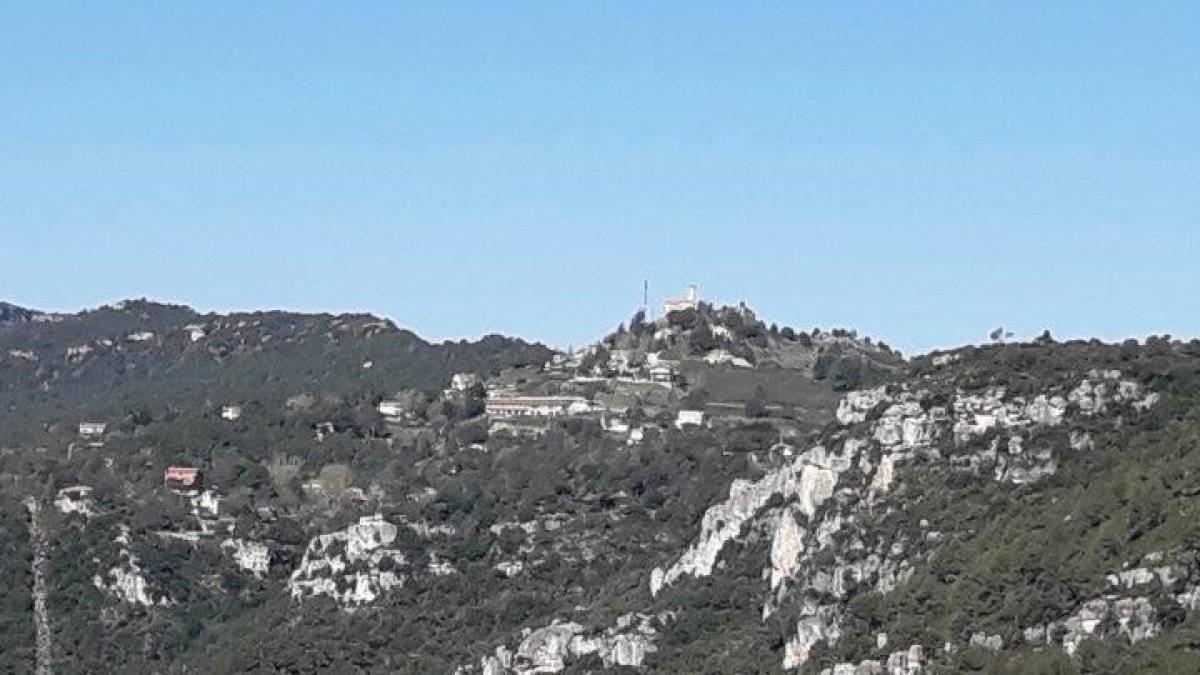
x,y
586,514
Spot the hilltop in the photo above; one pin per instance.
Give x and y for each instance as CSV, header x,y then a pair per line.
x,y
699,492
11,315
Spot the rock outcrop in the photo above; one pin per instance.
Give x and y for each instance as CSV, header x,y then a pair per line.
x,y
251,556
821,547
353,566
553,648
126,581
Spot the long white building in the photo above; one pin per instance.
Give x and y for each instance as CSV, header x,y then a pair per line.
x,y
536,406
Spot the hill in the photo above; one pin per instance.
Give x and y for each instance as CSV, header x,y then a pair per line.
x,y
700,493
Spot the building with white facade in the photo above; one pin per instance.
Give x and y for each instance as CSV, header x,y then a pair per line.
x,y
391,408
463,381
691,300
689,418
92,429
536,406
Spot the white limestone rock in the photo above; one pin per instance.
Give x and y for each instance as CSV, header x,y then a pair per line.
x,y
1135,620
819,624
809,480
68,504
546,649
906,662
909,662
207,504
1046,410
992,643
553,648
125,580
786,546
509,568
353,566
856,405
252,556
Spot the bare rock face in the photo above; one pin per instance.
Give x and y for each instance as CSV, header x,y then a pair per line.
x,y
820,624
904,662
818,545
126,580
251,556
546,650
809,481
555,647
1132,618
787,544
820,511
355,559
856,405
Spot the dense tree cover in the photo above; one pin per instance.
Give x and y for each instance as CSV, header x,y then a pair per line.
x,y
262,356
16,601
602,513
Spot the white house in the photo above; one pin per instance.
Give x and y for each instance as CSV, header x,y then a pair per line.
x,y
662,373
74,499
92,429
75,492
580,406
390,408
231,412
689,301
614,425
140,336
689,418
722,356
463,381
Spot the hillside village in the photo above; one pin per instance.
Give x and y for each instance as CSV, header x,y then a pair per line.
x,y
698,491
693,365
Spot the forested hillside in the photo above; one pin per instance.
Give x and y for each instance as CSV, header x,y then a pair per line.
x,y
699,493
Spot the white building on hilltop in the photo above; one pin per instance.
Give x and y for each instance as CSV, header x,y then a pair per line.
x,y
689,301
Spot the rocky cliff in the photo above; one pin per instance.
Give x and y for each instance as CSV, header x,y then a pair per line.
x,y
1012,508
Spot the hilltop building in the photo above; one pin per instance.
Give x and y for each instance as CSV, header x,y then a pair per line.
x,y
691,300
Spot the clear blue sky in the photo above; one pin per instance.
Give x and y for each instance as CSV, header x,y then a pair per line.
x,y
920,171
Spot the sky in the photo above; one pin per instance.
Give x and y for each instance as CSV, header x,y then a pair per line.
x,y
921,172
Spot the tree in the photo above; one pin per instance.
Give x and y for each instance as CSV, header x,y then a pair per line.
x,y
702,339
637,325
684,318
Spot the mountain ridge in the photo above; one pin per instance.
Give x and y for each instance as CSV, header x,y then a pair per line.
x,y
700,493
